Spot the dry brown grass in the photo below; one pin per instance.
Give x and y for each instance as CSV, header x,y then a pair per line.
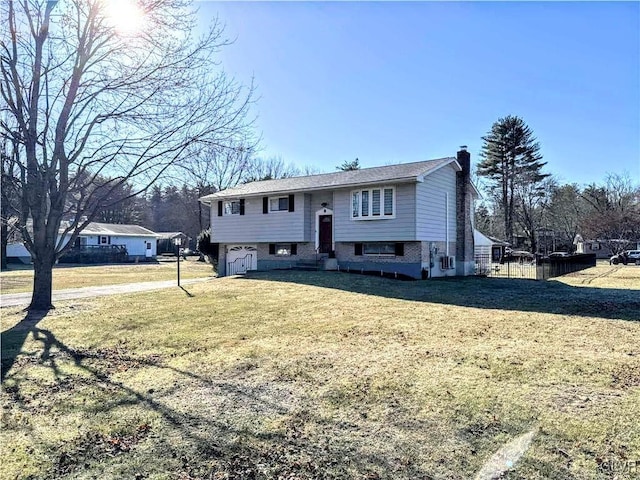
x,y
327,375
21,280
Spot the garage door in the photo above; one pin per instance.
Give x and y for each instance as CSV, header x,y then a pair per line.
x,y
241,258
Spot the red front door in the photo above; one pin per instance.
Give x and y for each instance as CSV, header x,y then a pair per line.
x,y
325,233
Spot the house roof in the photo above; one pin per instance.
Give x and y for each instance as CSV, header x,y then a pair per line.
x,y
169,235
480,238
95,228
403,172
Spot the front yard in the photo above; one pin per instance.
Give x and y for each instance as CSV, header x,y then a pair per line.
x,y
20,280
328,375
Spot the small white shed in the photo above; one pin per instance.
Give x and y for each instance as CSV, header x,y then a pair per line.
x,y
488,247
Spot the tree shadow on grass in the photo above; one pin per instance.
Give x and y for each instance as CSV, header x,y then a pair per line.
x,y
478,292
13,339
244,450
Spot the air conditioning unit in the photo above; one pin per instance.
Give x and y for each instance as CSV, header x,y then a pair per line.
x,y
448,263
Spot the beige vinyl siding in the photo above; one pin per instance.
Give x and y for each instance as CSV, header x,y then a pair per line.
x,y
402,227
255,226
431,205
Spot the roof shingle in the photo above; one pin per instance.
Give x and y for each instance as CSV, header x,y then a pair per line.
x,y
364,176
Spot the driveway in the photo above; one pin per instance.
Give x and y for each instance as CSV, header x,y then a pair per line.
x,y
19,299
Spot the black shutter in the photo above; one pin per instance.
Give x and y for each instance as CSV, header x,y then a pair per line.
x,y
399,249
292,203
294,249
265,204
109,239
272,249
219,208
242,206
357,249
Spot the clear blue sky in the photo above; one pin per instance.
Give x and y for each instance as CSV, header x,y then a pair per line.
x,y
395,82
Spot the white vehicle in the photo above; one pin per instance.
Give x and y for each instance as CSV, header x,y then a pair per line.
x,y
628,256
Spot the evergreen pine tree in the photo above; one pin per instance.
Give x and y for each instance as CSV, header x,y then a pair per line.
x,y
510,157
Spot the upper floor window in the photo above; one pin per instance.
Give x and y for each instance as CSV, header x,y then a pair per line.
x,y
373,203
232,207
279,204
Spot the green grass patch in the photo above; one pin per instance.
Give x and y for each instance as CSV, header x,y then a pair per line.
x,y
326,375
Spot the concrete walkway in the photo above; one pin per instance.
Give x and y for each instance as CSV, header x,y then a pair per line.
x,y
23,299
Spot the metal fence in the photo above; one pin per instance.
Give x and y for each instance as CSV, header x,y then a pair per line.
x,y
533,269
240,265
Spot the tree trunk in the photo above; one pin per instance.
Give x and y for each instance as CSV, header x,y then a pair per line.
x,y
4,235
42,285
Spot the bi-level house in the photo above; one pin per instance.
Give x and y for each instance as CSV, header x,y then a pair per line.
x,y
413,219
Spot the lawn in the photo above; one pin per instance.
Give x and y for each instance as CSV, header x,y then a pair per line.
x,y
328,375
21,279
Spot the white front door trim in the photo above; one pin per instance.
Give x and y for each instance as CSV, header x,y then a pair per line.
x,y
319,213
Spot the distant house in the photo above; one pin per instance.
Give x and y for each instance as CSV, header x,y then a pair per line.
x,y
166,241
488,248
101,243
607,248
413,219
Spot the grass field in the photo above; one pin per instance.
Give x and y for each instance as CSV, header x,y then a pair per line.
x,y
21,279
328,375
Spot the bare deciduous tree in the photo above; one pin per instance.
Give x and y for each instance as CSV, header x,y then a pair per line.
x,y
613,212
86,100
270,169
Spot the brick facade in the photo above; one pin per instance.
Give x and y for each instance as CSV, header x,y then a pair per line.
x,y
345,252
464,252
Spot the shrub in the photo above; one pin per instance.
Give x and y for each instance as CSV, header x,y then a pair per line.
x,y
211,250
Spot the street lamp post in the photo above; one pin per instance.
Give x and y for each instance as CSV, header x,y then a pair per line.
x,y
177,242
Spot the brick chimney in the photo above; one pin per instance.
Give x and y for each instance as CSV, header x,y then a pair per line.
x,y
465,264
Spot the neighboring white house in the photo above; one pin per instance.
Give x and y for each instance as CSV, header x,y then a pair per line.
x,y
18,253
139,242
489,247
413,219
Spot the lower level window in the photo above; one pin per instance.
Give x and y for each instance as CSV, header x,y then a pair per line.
x,y
283,249
379,248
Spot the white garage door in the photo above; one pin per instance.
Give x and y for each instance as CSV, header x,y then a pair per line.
x,y
241,258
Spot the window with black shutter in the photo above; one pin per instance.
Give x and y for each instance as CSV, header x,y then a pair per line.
x,y
280,204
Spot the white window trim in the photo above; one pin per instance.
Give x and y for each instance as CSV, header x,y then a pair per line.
x,y
224,208
279,197
371,216
106,242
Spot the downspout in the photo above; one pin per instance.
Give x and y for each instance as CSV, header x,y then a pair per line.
x,y
446,221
